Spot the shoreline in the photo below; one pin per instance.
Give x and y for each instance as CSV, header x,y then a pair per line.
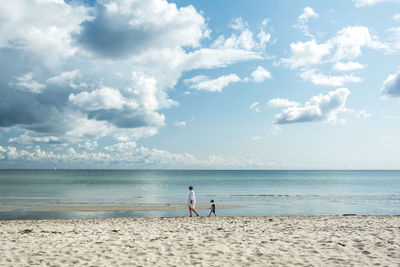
x,y
127,207
102,208
219,241
205,216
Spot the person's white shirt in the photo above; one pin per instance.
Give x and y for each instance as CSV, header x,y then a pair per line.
x,y
192,197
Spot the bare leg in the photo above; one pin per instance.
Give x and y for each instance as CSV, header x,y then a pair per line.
x,y
190,210
195,212
209,214
215,214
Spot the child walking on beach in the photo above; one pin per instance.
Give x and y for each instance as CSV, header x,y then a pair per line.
x,y
192,201
212,208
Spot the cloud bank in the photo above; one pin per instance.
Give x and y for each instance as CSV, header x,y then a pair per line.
x,y
108,66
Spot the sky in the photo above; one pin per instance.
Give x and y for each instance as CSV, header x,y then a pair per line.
x,y
228,84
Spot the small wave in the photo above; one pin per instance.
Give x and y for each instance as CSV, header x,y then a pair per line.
x,y
266,195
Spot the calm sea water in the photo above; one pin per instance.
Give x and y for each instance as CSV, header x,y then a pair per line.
x,y
257,192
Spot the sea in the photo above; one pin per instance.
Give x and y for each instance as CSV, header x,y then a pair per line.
x,y
254,192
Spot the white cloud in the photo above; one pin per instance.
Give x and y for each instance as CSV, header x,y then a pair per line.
x,y
393,40
102,98
349,41
281,103
180,124
321,79
107,67
308,13
362,3
122,147
65,78
207,58
306,54
89,145
129,27
121,155
347,66
319,108
260,74
302,20
243,39
346,45
255,106
203,83
26,83
264,38
26,138
257,138
43,27
391,86
238,24
396,17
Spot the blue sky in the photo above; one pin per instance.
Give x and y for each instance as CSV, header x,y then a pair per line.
x,y
155,84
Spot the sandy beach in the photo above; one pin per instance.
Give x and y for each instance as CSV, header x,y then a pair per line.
x,y
203,241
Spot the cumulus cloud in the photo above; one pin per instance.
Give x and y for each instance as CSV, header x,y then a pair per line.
x,y
347,44
340,50
122,28
306,53
319,108
350,40
391,86
103,98
243,38
203,83
325,80
27,83
76,71
260,75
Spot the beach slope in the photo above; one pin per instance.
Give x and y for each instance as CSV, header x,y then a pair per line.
x,y
220,241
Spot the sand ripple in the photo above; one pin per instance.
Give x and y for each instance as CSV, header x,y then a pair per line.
x,y
220,241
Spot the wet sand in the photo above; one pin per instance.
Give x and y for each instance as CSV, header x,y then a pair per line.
x,y
127,207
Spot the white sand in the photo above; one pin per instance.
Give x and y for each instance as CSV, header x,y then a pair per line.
x,y
220,241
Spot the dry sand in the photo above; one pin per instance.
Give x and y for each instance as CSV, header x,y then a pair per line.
x,y
214,241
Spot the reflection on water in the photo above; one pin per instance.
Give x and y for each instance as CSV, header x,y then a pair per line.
x,y
258,192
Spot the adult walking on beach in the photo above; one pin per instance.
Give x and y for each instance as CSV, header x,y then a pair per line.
x,y
192,201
